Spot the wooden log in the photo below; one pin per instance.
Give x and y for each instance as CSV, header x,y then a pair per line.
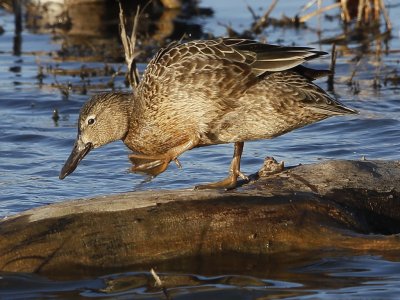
x,y
331,205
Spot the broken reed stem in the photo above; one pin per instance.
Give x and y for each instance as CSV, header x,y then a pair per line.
x,y
308,5
385,15
318,11
129,46
360,11
376,9
261,22
159,283
345,12
366,13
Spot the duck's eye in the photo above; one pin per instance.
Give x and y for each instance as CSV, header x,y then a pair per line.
x,y
90,121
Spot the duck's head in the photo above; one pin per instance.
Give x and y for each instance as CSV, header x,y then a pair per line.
x,y
102,120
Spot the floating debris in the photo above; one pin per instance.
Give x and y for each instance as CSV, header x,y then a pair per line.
x,y
55,116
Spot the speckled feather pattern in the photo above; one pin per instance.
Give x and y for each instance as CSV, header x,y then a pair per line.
x,y
223,91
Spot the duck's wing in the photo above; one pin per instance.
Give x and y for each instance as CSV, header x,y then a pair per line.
x,y
228,67
311,74
261,58
192,66
289,87
265,58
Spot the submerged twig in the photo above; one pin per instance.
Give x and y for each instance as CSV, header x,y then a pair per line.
x,y
65,90
331,76
129,46
354,86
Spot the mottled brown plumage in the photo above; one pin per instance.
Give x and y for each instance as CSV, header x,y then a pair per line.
x,y
204,93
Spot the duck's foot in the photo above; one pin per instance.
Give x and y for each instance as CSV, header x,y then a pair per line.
x,y
231,181
150,165
228,183
158,163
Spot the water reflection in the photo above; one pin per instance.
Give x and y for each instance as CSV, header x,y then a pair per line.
x,y
299,275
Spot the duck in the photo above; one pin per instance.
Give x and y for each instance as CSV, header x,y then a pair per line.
x,y
202,93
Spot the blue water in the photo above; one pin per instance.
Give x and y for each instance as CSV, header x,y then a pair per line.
x,y
33,147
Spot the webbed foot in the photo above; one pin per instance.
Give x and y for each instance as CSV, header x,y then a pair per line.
x,y
158,163
231,181
228,183
148,165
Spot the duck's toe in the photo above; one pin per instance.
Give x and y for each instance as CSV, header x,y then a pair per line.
x,y
152,168
228,183
148,165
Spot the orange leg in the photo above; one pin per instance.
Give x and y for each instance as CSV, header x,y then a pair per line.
x,y
234,172
158,163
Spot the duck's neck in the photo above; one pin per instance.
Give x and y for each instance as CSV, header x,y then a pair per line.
x,y
132,137
118,107
125,107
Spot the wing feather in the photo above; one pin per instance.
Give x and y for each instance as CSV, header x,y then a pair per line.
x,y
294,87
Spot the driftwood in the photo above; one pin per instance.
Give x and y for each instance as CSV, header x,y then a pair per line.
x,y
351,205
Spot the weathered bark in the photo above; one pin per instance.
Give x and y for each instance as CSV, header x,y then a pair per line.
x,y
331,205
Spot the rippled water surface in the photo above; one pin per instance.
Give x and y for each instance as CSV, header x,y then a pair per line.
x,y
33,147
288,276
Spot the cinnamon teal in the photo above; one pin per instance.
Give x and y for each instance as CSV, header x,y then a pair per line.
x,y
203,93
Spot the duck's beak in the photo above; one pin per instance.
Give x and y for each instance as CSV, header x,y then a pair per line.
x,y
78,153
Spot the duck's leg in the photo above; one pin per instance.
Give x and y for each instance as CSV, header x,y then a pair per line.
x,y
156,164
234,172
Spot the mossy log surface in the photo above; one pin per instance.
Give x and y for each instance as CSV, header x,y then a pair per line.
x,y
344,205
